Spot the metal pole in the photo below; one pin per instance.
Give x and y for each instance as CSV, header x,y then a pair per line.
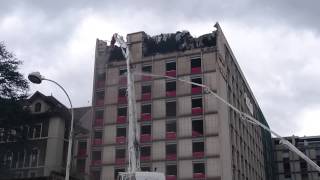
x,y
70,133
245,116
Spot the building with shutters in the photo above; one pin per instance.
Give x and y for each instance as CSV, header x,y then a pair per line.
x,y
290,166
185,132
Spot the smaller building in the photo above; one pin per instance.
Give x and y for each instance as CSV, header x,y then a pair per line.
x,y
288,165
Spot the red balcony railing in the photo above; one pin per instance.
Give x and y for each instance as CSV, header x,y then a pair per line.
x,y
171,157
171,73
99,102
100,84
145,137
196,90
97,141
122,99
171,93
82,152
197,111
146,96
199,175
198,154
171,177
96,162
196,70
145,117
98,122
171,135
146,78
145,158
196,134
120,139
121,119
120,160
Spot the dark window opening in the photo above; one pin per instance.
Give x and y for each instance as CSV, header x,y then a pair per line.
x,y
37,107
171,149
303,166
171,126
146,108
81,164
96,175
171,170
101,76
196,80
146,129
121,132
96,155
171,86
145,151
197,102
122,72
195,63
147,69
197,126
100,95
117,171
146,89
99,114
286,168
120,153
145,168
198,168
170,66
82,145
122,92
171,108
98,134
197,146
122,111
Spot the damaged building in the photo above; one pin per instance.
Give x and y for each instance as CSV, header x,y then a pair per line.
x,y
186,133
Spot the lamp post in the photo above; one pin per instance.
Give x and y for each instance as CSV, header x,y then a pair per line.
x,y
35,77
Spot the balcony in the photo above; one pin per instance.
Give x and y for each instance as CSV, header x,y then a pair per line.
x,y
196,90
171,157
196,134
171,177
145,158
123,80
171,73
99,102
146,78
171,93
121,119
196,70
82,152
100,84
120,161
98,122
122,99
145,137
146,96
171,135
96,142
96,162
145,117
120,139
199,176
198,155
197,111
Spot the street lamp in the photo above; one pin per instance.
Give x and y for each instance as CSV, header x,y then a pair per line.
x,y
35,77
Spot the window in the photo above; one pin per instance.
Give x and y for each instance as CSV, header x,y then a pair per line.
x,y
286,168
197,102
122,111
171,66
100,98
145,169
197,128
27,159
21,159
96,157
81,164
37,107
34,157
117,171
194,88
145,151
146,89
171,126
198,149
146,129
146,109
171,108
96,174
171,170
120,153
147,68
196,62
122,72
171,151
82,148
98,135
121,132
122,92
35,131
99,114
8,159
101,77
198,170
171,86
2,135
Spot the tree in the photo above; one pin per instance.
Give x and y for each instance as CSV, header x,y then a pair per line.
x,y
13,114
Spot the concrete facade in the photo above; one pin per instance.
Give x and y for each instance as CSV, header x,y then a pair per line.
x,y
185,132
290,166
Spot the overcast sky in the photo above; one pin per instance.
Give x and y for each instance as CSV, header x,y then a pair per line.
x,y
276,44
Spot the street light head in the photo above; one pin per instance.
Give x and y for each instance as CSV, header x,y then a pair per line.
x,y
35,77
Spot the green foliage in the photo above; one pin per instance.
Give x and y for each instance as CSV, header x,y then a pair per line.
x,y
12,83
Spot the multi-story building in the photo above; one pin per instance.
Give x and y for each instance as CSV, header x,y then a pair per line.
x,y
184,131
289,165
